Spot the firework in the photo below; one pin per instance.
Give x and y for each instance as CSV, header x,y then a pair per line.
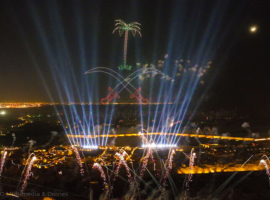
x,y
79,159
168,169
102,174
263,162
122,161
3,159
145,159
144,139
149,153
191,166
266,157
124,154
28,173
189,176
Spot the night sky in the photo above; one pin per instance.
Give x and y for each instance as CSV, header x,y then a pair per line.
x,y
46,46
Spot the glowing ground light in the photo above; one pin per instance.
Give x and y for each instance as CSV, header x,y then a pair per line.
x,y
162,146
263,162
90,147
28,174
2,112
154,145
3,159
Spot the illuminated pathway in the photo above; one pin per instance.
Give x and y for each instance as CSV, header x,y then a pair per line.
x,y
175,134
220,168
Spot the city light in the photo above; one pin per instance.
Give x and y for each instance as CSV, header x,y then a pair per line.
x,y
2,112
168,134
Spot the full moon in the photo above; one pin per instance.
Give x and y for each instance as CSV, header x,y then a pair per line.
x,y
253,29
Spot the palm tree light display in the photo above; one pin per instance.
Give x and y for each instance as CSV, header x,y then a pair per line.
x,y
124,27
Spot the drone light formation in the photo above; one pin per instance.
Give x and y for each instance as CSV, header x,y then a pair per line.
x,y
124,27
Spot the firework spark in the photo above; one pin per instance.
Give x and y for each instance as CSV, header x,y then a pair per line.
x,y
189,176
168,169
145,159
144,139
263,162
149,153
122,161
28,173
79,159
3,159
102,174
191,166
